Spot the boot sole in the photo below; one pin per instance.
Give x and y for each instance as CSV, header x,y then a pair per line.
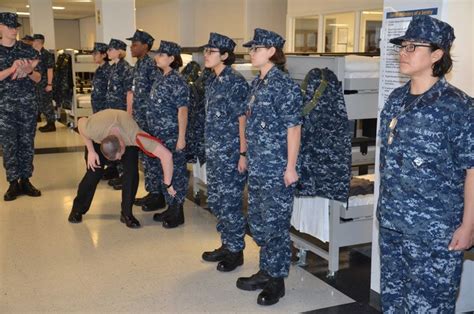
x,y
270,302
248,287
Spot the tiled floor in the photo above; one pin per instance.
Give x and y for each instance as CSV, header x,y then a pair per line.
x,y
100,265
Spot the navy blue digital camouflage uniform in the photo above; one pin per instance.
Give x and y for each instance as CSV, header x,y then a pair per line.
x,y
226,102
325,156
100,81
423,162
144,74
274,106
120,80
45,99
18,109
169,93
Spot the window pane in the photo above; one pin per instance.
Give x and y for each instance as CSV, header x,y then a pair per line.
x,y
306,34
339,32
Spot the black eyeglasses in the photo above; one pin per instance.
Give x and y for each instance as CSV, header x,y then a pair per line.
x,y
409,47
209,51
254,49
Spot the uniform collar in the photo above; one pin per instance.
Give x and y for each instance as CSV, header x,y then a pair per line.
x,y
433,93
271,73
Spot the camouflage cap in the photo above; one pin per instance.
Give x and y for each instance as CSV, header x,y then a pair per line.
x,y
168,47
220,41
117,44
424,28
27,37
9,19
142,37
100,47
38,36
263,37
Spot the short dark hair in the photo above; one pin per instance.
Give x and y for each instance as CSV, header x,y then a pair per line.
x,y
177,62
443,65
230,56
278,57
110,147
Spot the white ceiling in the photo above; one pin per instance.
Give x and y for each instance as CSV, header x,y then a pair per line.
x,y
74,9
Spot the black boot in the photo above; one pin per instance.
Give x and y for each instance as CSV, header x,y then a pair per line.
x,y
130,221
155,202
140,201
49,127
273,291
175,218
254,282
215,256
28,188
231,261
13,191
75,217
161,216
110,172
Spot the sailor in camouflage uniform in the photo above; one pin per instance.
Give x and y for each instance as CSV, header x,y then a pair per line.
x,y
44,89
145,72
121,76
426,202
167,118
226,148
101,77
18,107
273,135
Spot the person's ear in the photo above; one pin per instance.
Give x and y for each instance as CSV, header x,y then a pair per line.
x,y
224,56
437,55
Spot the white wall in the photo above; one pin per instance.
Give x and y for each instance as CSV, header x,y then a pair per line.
x,y
87,32
67,34
221,16
268,14
160,20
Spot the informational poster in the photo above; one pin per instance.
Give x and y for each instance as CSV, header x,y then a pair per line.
x,y
395,24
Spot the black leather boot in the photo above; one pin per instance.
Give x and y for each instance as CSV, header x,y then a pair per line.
x,y
13,191
110,172
75,217
155,202
161,216
175,218
254,282
272,292
140,201
130,221
215,256
231,261
28,188
49,127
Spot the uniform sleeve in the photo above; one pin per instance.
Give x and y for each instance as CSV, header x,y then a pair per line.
x,y
182,95
239,96
291,103
462,136
128,78
50,61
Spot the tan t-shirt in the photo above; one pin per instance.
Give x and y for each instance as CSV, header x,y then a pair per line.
x,y
97,127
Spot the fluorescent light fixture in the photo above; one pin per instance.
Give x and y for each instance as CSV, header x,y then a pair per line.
x,y
23,13
338,25
54,7
372,12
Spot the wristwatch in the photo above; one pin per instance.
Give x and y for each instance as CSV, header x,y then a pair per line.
x,y
243,154
168,185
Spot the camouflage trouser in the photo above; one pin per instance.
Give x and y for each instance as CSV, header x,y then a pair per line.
x,y
180,179
152,169
151,166
418,275
270,208
45,104
98,105
225,186
17,133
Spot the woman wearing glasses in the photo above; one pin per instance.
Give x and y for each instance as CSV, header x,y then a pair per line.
x,y
167,118
273,136
226,149
426,202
